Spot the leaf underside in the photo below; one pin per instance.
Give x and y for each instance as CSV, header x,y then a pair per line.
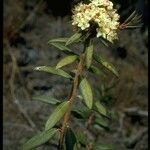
x,y
53,70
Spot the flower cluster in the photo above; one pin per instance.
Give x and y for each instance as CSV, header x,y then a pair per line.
x,y
102,13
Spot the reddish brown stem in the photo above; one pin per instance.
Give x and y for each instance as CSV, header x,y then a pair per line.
x,y
73,95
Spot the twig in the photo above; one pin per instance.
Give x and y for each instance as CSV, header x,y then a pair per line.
x,y
130,142
29,120
27,19
15,70
121,121
90,121
89,147
136,111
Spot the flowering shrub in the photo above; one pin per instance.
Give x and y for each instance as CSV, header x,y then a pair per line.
x,y
95,19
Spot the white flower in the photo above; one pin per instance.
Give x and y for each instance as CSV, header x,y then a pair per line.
x,y
102,13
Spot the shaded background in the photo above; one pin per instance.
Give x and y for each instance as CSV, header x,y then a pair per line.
x,y
28,25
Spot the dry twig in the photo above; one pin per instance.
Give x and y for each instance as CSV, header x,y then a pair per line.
x,y
136,111
131,141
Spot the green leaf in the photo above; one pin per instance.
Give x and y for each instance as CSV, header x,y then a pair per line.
x,y
67,60
89,54
57,115
62,47
58,40
86,92
77,114
130,17
107,65
134,26
80,113
53,70
132,22
39,139
101,109
105,42
95,70
74,38
70,139
46,99
102,122
81,137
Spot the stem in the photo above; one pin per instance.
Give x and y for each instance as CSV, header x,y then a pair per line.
x,y
73,95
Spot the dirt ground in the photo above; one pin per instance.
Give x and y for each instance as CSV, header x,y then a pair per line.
x,y
27,28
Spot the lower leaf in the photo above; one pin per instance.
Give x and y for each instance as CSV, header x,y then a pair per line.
x,y
39,139
70,139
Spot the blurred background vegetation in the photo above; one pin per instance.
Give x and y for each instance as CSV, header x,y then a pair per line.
x,y
28,25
